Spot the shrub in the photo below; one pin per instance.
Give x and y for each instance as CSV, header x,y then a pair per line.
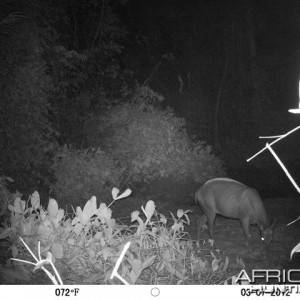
x,y
152,142
204,164
81,173
26,134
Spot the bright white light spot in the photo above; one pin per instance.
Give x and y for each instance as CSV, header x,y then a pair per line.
x,y
296,110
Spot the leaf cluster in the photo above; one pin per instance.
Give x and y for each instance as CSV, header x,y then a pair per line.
x,y
152,142
80,173
85,248
26,132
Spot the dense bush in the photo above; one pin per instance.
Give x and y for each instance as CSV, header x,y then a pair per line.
x,y
26,133
152,142
81,173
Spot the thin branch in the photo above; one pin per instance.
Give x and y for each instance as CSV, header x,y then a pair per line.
x,y
99,28
216,142
281,137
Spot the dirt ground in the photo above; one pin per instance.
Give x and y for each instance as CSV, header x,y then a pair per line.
x,y
229,235
281,201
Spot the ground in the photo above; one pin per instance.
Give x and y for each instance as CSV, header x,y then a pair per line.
x,y
281,202
228,233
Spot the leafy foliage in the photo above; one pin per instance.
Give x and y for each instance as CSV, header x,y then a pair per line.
x,y
26,132
80,173
85,249
86,74
14,13
5,198
152,142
